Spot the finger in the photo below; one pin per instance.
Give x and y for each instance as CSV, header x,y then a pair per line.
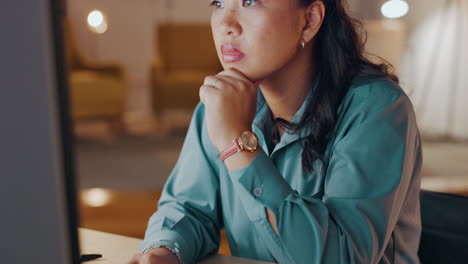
x,y
223,81
233,73
234,80
206,93
236,74
211,80
200,94
226,74
227,80
150,259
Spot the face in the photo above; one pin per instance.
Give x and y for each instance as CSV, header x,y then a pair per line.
x,y
257,37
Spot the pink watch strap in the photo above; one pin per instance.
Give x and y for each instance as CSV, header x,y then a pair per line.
x,y
231,149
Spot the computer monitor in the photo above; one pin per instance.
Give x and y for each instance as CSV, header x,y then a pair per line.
x,y
38,217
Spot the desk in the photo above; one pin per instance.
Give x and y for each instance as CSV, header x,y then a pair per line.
x,y
116,249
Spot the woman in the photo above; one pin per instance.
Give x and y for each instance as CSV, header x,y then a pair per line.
x,y
334,175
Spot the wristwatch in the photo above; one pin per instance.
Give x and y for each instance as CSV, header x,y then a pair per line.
x,y
247,141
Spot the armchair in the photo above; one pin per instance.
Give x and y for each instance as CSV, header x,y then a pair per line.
x,y
97,90
185,55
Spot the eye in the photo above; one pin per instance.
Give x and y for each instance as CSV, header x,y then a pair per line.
x,y
249,2
216,4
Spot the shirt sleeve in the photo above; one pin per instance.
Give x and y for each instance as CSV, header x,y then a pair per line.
x,y
188,218
374,160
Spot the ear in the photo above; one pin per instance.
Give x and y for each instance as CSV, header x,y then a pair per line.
x,y
314,16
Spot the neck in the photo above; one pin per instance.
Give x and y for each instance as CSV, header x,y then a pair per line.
x,y
285,90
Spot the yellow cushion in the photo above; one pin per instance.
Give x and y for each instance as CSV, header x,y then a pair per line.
x,y
187,46
185,55
96,94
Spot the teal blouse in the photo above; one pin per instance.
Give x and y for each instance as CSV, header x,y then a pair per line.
x,y
363,207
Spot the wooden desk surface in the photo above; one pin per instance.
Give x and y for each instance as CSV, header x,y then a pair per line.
x,y
117,249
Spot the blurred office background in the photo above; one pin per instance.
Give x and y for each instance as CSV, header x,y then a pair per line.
x,y
133,87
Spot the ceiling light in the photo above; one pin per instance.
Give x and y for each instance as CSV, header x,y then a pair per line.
x,y
395,8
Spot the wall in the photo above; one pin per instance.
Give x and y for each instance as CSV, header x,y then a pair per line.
x,y
433,63
130,38
435,67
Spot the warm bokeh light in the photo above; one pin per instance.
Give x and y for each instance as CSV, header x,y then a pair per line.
x,y
95,197
97,21
102,28
395,8
95,18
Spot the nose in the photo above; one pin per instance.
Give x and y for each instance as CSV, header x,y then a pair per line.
x,y
229,24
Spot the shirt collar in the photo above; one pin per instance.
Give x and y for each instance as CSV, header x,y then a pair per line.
x,y
262,120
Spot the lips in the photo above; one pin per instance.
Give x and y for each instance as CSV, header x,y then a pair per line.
x,y
231,53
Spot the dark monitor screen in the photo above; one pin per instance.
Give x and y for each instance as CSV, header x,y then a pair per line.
x,y
37,189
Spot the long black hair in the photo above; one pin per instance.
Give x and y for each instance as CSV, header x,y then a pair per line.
x,y
340,56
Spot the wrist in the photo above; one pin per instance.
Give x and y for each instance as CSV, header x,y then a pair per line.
x,y
247,142
240,160
229,138
165,253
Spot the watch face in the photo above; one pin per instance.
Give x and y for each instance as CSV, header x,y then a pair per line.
x,y
249,140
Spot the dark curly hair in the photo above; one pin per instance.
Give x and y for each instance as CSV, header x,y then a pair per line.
x,y
339,50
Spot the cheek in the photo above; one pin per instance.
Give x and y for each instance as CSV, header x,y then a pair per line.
x,y
213,30
269,41
271,47
218,36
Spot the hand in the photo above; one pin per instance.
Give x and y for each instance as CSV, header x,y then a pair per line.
x,y
155,256
230,102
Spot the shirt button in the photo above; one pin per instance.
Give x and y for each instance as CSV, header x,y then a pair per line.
x,y
258,191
